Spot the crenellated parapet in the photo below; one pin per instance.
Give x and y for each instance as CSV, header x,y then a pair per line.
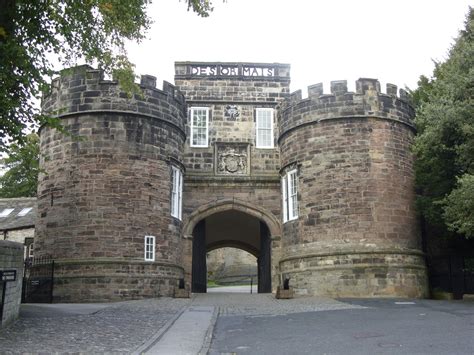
x,y
356,234
82,89
367,101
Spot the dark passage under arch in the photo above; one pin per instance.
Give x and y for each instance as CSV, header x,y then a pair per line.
x,y
235,229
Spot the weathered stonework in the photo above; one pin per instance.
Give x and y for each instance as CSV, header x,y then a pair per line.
x,y
232,159
106,186
11,258
232,167
356,233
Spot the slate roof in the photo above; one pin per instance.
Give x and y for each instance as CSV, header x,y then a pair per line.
x,y
13,220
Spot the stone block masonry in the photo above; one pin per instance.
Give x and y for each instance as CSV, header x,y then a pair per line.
x,y
243,91
357,233
11,258
233,92
108,183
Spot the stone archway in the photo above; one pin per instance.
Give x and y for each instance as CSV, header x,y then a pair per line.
x,y
231,204
231,223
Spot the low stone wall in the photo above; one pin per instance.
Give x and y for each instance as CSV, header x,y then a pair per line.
x,y
383,273
107,280
11,258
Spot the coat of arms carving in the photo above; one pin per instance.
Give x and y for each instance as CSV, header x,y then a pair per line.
x,y
232,111
232,161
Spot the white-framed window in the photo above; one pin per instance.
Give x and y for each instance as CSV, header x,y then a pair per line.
x,y
149,248
289,187
31,250
6,212
264,127
199,126
176,192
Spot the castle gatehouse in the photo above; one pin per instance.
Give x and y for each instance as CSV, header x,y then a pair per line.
x,y
318,189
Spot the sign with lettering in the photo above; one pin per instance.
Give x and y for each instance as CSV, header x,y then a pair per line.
x,y
233,70
8,275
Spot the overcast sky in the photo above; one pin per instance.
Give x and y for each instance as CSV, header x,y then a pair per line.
x,y
392,40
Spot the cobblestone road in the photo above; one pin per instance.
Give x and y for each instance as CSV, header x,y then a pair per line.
x,y
121,328
259,305
118,329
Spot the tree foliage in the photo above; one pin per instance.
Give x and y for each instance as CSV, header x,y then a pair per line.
x,y
34,35
21,178
459,207
444,146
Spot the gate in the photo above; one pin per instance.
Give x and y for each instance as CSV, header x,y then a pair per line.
x,y
38,280
452,274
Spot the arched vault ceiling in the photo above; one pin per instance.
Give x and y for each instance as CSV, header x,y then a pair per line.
x,y
229,227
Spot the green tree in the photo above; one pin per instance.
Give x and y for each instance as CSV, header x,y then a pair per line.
x,y
34,34
21,178
459,207
444,146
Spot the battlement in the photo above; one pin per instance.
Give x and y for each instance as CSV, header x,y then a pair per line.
x,y
83,89
367,101
364,86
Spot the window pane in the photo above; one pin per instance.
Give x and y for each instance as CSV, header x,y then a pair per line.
x,y
284,198
149,248
6,212
176,192
264,128
292,191
24,211
199,126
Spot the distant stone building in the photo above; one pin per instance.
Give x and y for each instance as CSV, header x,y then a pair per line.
x,y
17,221
318,189
229,266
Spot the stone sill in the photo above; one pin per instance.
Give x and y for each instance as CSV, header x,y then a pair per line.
x,y
353,252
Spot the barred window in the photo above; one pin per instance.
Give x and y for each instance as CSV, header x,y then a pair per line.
x,y
149,248
199,126
289,186
176,192
264,129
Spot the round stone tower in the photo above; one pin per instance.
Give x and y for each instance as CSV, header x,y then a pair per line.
x,y
356,234
105,188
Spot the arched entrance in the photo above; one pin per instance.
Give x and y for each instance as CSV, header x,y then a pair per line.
x,y
233,224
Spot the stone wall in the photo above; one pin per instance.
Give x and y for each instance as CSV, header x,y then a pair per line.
x,y
231,266
357,232
222,94
223,87
20,235
107,185
23,236
11,258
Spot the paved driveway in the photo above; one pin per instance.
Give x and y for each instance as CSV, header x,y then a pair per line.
x,y
369,327
244,323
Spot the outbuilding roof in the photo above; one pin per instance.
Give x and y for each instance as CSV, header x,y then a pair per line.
x,y
17,213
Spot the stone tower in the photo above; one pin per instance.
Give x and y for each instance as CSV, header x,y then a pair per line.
x,y
106,188
356,232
